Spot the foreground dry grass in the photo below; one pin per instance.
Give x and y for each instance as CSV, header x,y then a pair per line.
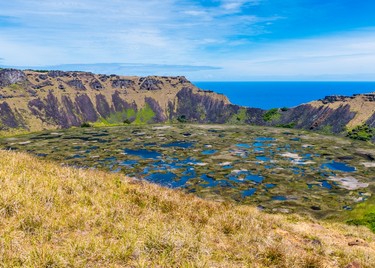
x,y
52,216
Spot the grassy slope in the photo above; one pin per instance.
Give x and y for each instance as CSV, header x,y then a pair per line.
x,y
52,216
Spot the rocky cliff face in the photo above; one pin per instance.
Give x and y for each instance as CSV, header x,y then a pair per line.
x,y
334,114
46,100
56,99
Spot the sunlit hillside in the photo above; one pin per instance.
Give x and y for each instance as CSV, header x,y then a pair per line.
x,y
53,216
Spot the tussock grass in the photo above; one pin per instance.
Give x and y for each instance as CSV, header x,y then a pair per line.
x,y
53,216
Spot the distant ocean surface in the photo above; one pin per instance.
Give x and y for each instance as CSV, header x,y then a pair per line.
x,y
268,95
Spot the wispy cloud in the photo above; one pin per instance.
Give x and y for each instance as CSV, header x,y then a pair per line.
x,y
327,58
125,68
236,5
131,31
244,37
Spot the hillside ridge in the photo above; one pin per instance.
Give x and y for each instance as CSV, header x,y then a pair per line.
x,y
37,100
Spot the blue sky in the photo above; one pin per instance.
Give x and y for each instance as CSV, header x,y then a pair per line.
x,y
202,39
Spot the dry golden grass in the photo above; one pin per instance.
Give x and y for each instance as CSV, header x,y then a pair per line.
x,y
52,216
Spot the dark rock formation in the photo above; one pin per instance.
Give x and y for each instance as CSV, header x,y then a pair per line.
x,y
159,113
122,83
77,84
96,85
102,106
121,105
87,110
55,74
369,97
43,84
202,108
254,116
171,110
43,77
11,76
7,117
183,80
150,83
335,98
371,121
48,110
53,112
104,78
32,93
36,106
309,117
71,111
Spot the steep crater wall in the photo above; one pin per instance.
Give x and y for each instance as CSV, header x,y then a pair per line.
x,y
47,100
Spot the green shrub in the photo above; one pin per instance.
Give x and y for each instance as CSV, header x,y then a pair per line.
x,y
367,220
363,132
272,114
86,124
182,118
288,125
327,130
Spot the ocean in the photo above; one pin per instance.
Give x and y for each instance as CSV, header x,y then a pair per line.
x,y
267,95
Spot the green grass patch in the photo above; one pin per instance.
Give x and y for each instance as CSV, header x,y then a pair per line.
x,y
128,116
120,117
240,117
145,115
363,214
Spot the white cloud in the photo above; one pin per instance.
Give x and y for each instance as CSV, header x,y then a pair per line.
x,y
88,31
236,5
172,32
341,57
196,13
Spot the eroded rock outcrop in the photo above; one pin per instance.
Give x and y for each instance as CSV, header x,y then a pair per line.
x,y
11,76
150,83
316,118
122,83
8,118
201,108
77,84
